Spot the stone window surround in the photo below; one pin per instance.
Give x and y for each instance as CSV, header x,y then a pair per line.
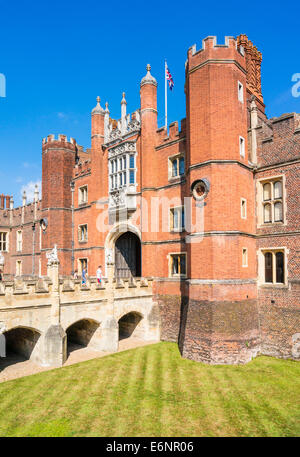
x,y
19,241
242,147
19,267
80,240
79,264
81,193
171,220
169,257
240,92
171,158
259,192
243,207
244,257
7,240
261,266
125,149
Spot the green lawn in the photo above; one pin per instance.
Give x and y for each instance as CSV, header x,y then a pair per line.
x,y
152,391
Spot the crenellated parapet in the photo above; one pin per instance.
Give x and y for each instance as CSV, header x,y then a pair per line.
x,y
60,139
34,286
212,51
119,129
278,139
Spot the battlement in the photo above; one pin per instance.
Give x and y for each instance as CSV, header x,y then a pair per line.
x,y
212,50
115,129
35,286
279,139
60,139
211,42
283,126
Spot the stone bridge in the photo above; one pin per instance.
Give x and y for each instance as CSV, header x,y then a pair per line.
x,y
39,316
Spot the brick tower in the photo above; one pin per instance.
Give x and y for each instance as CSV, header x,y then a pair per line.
x,y
58,159
219,320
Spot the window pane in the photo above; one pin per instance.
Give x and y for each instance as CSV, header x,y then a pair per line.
x,y
124,178
124,162
175,269
267,191
267,213
278,189
243,208
182,265
245,257
175,219
182,218
131,177
116,165
279,267
181,165
278,212
174,168
131,163
268,267
121,179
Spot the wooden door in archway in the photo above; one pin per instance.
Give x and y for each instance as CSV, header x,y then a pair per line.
x,y
128,256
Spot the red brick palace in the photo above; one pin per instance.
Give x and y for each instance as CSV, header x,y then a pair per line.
x,y
210,209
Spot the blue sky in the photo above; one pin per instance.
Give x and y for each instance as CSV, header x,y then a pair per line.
x,y
57,56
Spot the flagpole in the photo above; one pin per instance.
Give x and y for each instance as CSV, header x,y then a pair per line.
x,y
166,98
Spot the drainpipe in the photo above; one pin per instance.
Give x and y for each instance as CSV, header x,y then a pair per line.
x,y
72,184
33,249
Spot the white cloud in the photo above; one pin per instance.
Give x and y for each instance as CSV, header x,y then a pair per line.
x,y
29,165
29,189
61,115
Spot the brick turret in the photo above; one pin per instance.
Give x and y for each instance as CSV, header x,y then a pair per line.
x,y
58,159
221,263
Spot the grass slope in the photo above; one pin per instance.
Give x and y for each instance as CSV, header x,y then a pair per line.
x,y
152,391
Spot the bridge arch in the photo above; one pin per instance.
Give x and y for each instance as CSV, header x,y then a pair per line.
x,y
83,332
131,323
24,341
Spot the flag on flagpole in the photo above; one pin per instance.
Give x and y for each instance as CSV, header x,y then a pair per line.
x,y
169,78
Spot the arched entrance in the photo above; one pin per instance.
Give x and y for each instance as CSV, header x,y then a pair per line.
x,y
130,325
128,256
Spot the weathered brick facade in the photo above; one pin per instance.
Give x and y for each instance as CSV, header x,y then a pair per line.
x,y
222,300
